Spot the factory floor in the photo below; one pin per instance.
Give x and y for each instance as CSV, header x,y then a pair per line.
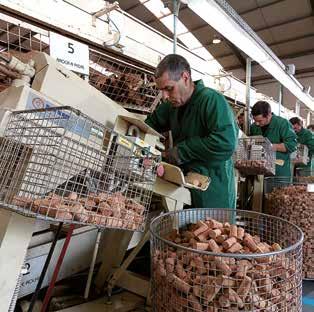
x,y
308,296
123,302
127,302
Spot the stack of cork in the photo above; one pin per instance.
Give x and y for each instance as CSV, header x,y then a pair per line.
x,y
103,209
295,204
212,266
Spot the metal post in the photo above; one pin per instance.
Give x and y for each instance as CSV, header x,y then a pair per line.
x,y
176,8
280,98
92,266
45,268
248,95
57,268
308,118
297,107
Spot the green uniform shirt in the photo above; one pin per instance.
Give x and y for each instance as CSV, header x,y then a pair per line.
x,y
205,134
306,137
280,131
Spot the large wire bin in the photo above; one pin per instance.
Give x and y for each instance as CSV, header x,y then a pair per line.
x,y
186,278
293,200
58,164
301,155
254,156
305,175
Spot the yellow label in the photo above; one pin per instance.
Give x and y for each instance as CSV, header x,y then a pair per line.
x,y
141,143
124,142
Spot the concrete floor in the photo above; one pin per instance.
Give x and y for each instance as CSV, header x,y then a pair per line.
x,y
308,296
127,301
120,303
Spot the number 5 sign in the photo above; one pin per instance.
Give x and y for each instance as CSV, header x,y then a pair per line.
x,y
70,53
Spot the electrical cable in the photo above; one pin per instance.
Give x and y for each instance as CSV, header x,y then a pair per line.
x,y
117,29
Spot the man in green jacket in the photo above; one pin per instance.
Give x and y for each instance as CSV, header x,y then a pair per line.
x,y
203,128
279,132
305,137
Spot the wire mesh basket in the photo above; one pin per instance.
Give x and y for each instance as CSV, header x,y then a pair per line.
x,y
127,84
254,155
272,183
58,164
301,155
188,277
293,200
305,175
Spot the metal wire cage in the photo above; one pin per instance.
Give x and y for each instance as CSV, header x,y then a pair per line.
x,y
58,164
272,183
187,279
301,156
292,199
254,155
129,85
305,175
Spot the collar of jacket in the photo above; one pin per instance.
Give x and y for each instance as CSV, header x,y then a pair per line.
x,y
301,132
198,87
273,121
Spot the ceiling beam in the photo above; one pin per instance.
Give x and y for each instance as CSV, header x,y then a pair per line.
x,y
261,7
185,7
282,57
231,26
237,53
262,28
218,57
269,27
269,77
135,6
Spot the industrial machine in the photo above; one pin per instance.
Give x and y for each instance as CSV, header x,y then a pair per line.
x,y
43,85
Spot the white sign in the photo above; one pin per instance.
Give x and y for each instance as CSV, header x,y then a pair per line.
x,y
70,53
30,278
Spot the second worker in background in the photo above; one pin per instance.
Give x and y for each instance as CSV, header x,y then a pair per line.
x,y
203,128
279,132
305,137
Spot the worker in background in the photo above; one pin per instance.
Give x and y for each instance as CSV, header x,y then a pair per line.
x,y
305,137
241,121
203,128
279,132
310,127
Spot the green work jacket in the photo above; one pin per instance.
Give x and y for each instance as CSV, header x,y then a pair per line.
x,y
306,137
205,134
280,131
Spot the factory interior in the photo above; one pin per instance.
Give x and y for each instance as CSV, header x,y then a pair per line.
x,y
156,155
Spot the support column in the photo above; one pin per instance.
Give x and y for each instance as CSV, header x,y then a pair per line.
x,y
297,107
308,118
176,8
280,97
248,95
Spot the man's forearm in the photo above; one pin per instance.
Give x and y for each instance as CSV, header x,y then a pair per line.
x,y
279,148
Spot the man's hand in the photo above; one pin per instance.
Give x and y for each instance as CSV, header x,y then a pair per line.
x,y
171,156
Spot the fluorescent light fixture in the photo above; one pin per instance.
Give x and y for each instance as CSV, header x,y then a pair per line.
x,y
216,40
157,8
203,53
190,41
184,35
230,27
168,22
